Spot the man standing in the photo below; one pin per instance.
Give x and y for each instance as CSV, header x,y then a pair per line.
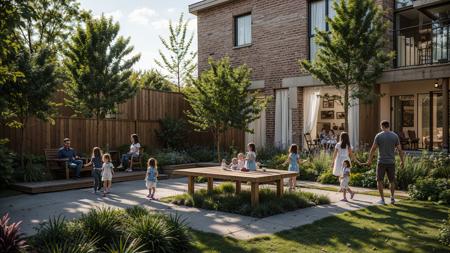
x,y
66,152
386,142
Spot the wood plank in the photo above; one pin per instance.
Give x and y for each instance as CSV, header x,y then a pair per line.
x,y
280,188
238,187
210,184
191,188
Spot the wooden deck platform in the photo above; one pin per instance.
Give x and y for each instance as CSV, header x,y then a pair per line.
x,y
70,184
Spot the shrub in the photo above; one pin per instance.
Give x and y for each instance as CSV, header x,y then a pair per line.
x,y
444,197
126,246
179,232
428,188
322,162
200,180
173,132
221,199
60,235
268,152
369,179
137,211
413,169
328,178
6,165
11,240
154,233
356,179
202,154
104,223
173,157
278,162
444,232
308,174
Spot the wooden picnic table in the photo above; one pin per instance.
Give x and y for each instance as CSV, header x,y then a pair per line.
x,y
254,177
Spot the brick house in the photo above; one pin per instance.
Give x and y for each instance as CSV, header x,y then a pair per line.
x,y
272,36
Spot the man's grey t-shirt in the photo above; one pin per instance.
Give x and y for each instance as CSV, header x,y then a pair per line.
x,y
386,141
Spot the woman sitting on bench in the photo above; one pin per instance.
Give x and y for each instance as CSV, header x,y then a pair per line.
x,y
134,152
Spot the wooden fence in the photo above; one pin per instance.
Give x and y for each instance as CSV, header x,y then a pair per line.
x,y
139,115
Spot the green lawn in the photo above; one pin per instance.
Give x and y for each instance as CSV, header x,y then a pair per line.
x,y
409,226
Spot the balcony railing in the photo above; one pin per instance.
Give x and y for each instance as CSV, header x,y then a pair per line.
x,y
427,44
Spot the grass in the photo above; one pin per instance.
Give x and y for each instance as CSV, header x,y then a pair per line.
x,y
409,226
223,198
386,193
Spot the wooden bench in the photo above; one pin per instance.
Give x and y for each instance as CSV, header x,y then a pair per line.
x,y
54,163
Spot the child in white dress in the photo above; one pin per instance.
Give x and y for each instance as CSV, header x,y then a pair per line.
x,y
107,173
345,179
241,161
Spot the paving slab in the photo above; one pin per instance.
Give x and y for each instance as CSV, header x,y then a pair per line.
x,y
37,208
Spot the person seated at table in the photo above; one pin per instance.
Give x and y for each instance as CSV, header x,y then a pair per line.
x,y
73,161
241,161
134,152
234,164
323,137
332,140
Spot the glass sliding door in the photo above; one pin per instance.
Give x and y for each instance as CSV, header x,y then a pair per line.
x,y
403,118
430,113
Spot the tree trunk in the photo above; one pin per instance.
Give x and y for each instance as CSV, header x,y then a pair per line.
x,y
346,106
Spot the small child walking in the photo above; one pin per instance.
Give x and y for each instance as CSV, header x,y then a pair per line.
x,y
107,174
345,179
294,161
251,157
151,177
97,164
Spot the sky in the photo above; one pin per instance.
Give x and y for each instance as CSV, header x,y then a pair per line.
x,y
144,21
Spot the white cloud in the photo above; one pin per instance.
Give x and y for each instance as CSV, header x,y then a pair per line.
x,y
141,16
171,10
160,24
116,15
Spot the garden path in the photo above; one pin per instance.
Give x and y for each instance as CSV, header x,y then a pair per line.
x,y
33,209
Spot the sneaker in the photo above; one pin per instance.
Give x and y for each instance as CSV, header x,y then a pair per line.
x,y
381,202
119,167
344,200
392,201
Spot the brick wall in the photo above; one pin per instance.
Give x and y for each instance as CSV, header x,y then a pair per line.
x,y
279,40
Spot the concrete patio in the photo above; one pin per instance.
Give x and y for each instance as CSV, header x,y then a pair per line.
x,y
33,209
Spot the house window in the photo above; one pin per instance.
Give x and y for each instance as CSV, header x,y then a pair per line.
x,y
319,10
403,3
243,30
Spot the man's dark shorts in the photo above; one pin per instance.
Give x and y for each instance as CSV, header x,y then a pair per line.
x,y
388,169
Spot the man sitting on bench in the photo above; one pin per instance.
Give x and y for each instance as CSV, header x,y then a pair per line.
x,y
66,152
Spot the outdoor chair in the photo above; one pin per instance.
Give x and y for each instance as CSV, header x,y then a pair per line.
x,y
413,140
53,163
404,141
312,145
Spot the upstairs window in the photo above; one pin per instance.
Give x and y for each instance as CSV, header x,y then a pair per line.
x,y
319,10
243,30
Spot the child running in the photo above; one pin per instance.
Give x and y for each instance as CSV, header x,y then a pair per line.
x,y
107,173
151,177
345,178
97,164
251,157
293,160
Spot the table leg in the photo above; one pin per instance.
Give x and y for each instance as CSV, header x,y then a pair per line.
x,y
191,185
238,187
255,194
280,187
210,184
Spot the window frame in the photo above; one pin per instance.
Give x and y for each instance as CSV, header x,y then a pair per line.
x,y
235,30
310,29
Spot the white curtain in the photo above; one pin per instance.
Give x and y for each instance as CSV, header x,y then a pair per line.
x,y
283,131
259,131
353,124
318,21
311,104
244,25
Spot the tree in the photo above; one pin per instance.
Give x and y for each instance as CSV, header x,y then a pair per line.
x,y
353,54
98,64
220,100
31,95
152,79
180,60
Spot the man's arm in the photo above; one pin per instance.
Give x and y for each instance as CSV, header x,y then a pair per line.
x,y
372,152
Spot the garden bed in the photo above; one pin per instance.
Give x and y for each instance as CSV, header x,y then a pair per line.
x,y
223,198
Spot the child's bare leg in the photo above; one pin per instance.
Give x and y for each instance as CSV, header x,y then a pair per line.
x,y
105,187
153,192
294,182
352,193
344,193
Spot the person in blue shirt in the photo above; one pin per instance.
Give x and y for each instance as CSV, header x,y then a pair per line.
x,y
66,152
293,161
151,177
97,164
